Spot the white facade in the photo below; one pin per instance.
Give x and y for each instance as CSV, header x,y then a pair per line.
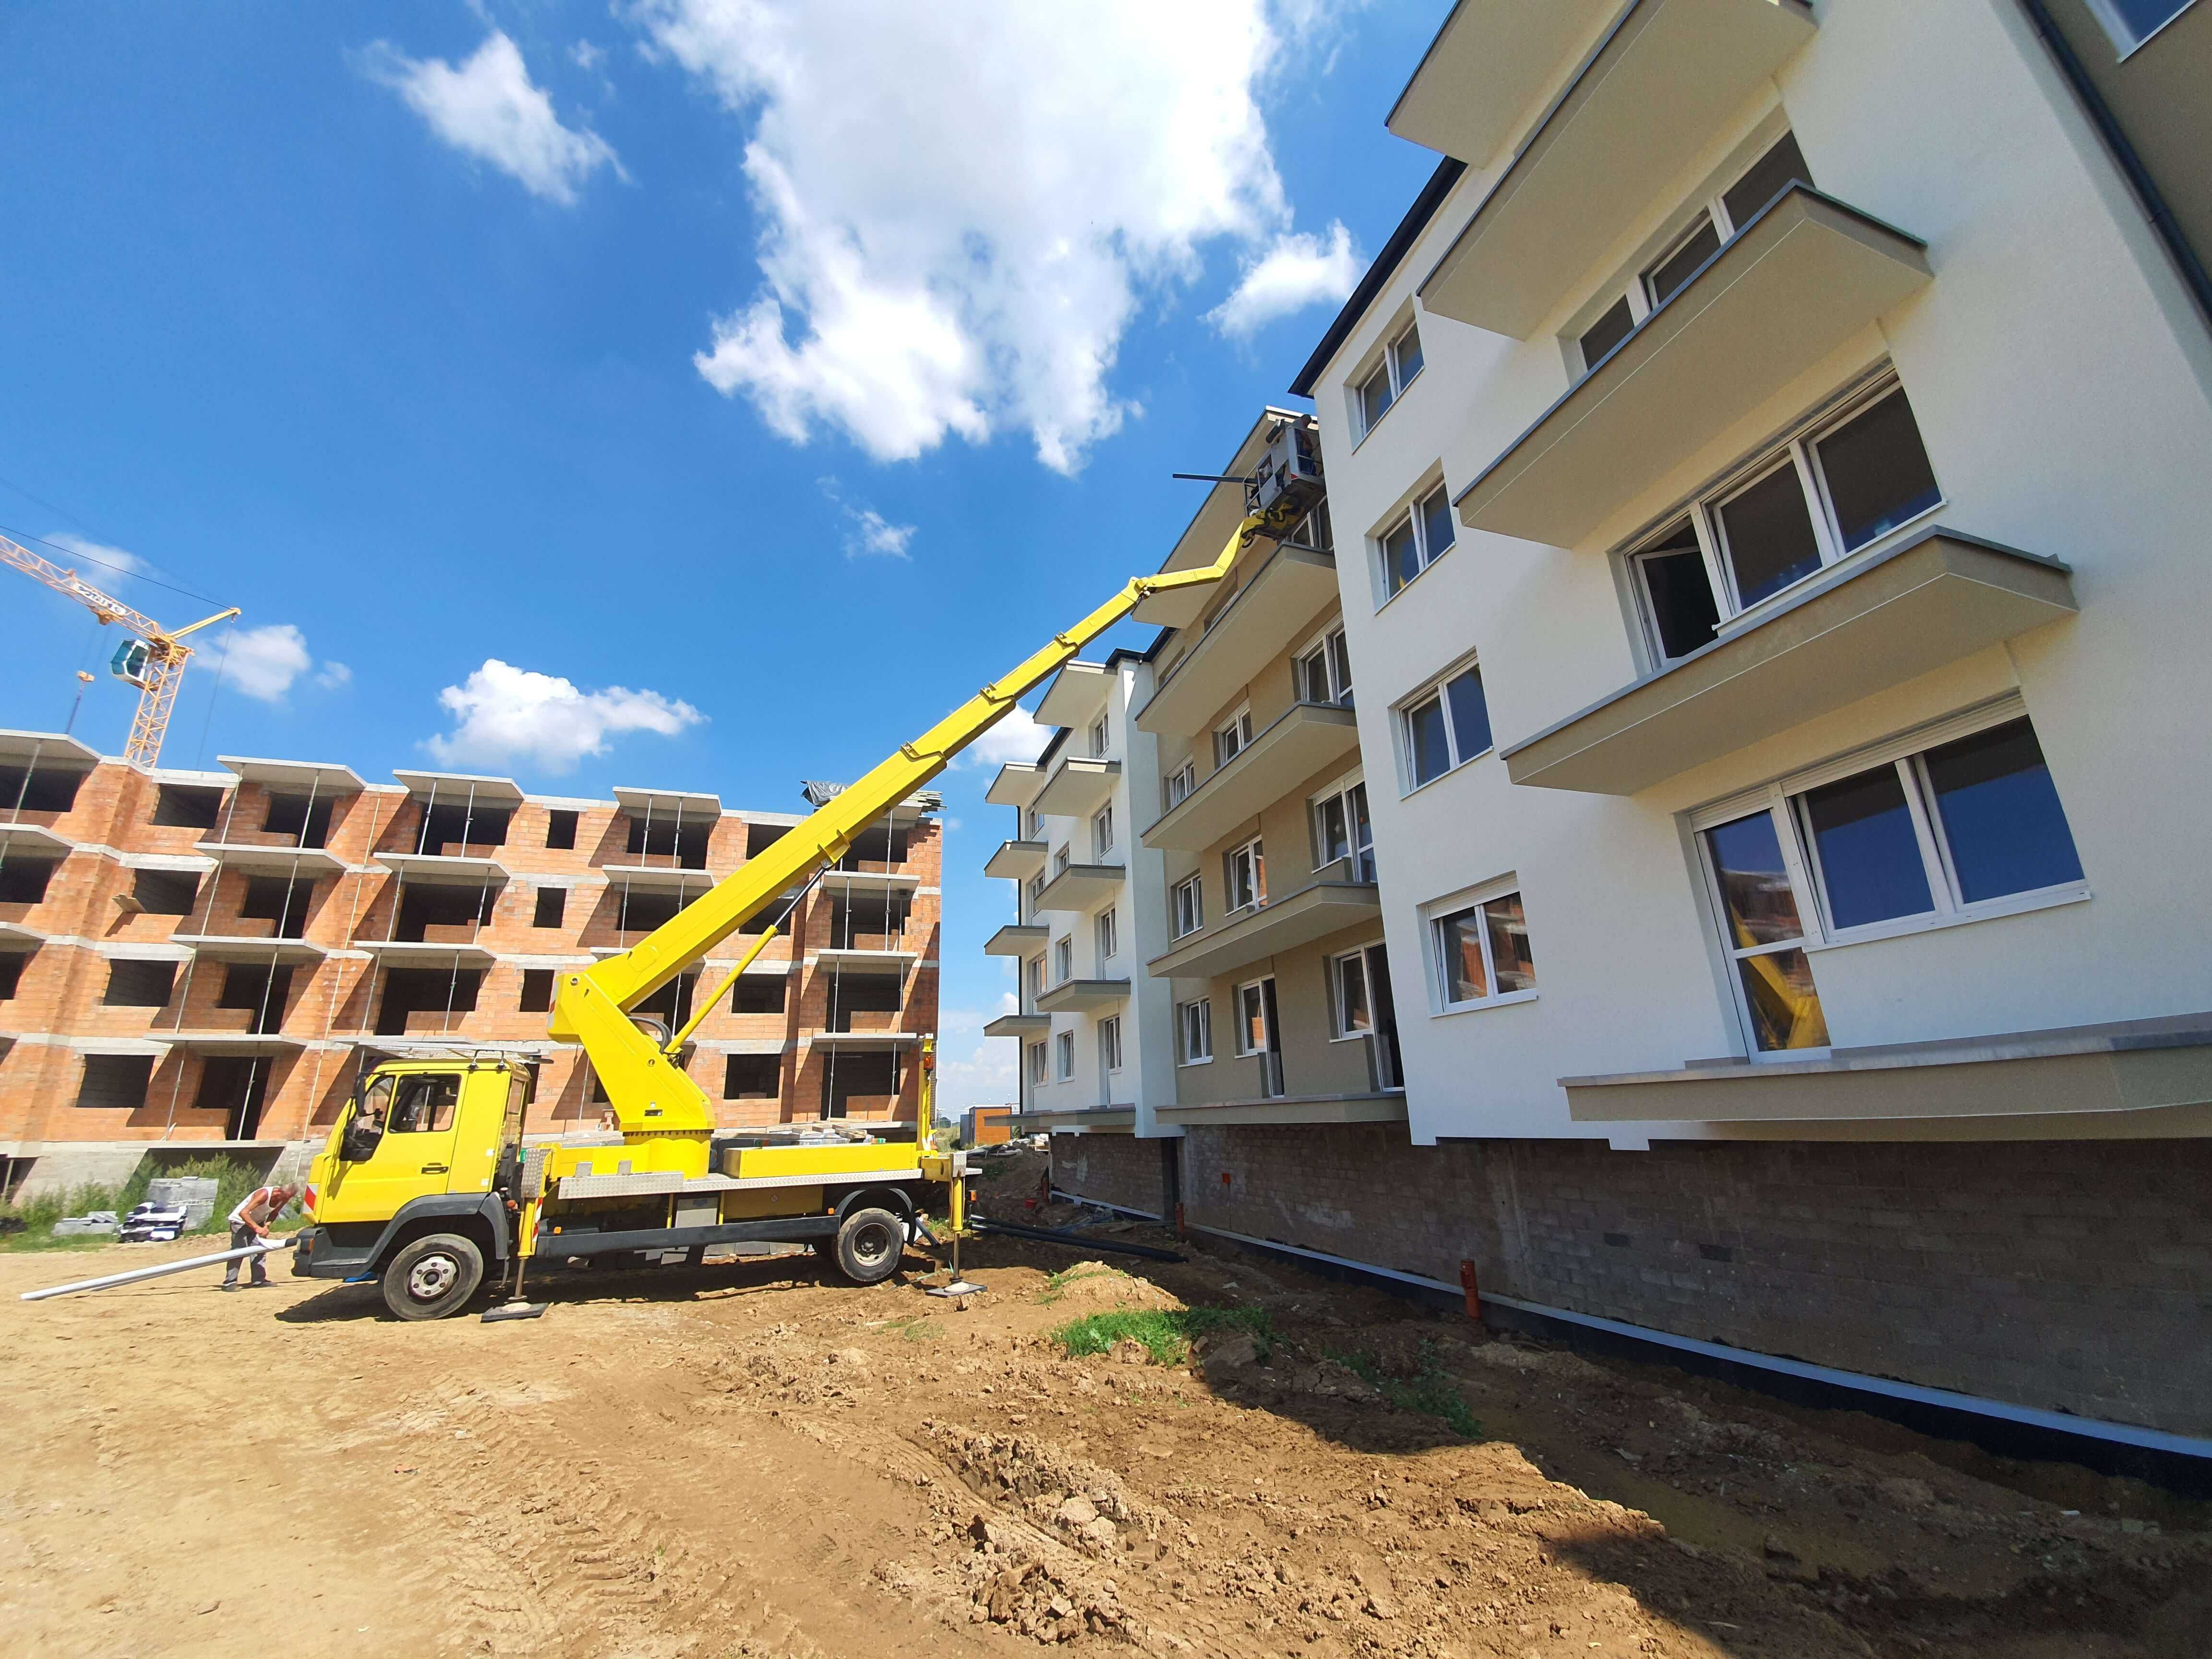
x,y
1096,1053
2058,377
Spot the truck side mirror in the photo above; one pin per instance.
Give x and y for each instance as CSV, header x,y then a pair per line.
x,y
360,1141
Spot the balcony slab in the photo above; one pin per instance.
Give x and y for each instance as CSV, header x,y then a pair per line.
x,y
1304,740
1296,919
1016,861
1079,886
1278,598
1017,939
1484,67
1073,996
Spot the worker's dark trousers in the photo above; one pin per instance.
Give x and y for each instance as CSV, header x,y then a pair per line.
x,y
239,1238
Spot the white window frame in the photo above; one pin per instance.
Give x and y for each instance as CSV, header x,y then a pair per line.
x,y
1800,856
1034,822
1713,205
1337,1033
1102,833
1335,654
1266,1035
1040,1067
1412,517
1390,362
1107,928
1036,895
1402,720
1110,1044
1064,1054
1180,783
1433,915
2125,41
1340,792
1063,958
1035,972
1193,888
1232,737
1101,729
1194,1032
1254,855
1062,857
1799,451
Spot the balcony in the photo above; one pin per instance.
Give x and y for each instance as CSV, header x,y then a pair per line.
x,y
1079,886
1307,738
865,1041
420,953
438,870
1382,1106
249,947
1088,1120
1253,629
848,882
1077,787
259,860
1668,76
2118,1080
1483,70
13,936
1015,785
317,778
1079,996
1018,938
1076,694
1795,284
659,878
892,955
24,839
1860,629
1247,935
1016,861
1019,1025
234,1042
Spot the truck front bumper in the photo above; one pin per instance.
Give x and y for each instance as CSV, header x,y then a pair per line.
x,y
315,1255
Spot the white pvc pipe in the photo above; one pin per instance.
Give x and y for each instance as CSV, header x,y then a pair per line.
x,y
262,1248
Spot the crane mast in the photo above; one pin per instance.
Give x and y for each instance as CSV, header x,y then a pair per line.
x,y
158,670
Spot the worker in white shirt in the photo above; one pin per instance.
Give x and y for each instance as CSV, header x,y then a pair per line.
x,y
250,1222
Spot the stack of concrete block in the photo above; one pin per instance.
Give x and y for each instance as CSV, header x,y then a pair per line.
x,y
194,1194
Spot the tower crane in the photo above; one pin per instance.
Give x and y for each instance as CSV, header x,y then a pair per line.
x,y
153,659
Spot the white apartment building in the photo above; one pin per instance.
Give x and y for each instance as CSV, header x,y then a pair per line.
x,y
1770,470
1091,1025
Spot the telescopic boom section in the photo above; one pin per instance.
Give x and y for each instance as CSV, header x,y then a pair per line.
x,y
646,1086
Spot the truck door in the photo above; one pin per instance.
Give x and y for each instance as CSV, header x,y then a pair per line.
x,y
414,1155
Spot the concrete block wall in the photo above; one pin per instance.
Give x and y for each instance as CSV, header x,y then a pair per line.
x,y
1118,1169
2072,1276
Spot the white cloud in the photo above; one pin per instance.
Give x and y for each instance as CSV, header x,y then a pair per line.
x,y
505,715
586,56
333,675
984,1075
262,662
965,206
868,534
118,563
489,109
1299,270
1016,737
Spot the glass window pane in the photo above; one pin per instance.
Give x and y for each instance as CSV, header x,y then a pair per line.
x,y
1375,396
1755,889
1681,596
1770,175
1340,663
1606,332
1424,731
1352,1013
1459,950
2000,815
1877,472
1785,1008
1769,536
1335,843
1252,1016
1408,350
1509,944
1666,278
1363,832
1437,525
1870,862
1470,713
1401,559
2136,21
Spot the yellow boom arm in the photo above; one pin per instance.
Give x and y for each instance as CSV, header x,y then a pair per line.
x,y
646,1083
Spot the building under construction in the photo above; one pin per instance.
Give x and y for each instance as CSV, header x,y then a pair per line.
x,y
204,961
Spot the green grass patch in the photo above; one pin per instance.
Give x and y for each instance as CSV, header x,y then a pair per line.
x,y
234,1180
1166,1334
1428,1391
1056,1285
919,1328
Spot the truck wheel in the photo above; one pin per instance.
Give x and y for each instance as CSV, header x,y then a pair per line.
x,y
433,1277
869,1246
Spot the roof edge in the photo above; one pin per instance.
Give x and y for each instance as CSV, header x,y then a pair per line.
x,y
1385,266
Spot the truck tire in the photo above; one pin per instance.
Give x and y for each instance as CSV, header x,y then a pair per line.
x,y
869,1246
433,1277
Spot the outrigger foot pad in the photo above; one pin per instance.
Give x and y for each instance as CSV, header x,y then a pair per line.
x,y
516,1310
958,1287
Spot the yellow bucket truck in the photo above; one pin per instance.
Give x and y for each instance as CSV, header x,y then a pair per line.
x,y
428,1185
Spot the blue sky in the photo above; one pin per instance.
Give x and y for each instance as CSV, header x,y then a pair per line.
x,y
702,394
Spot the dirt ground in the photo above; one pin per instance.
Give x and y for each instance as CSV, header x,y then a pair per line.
x,y
754,1460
